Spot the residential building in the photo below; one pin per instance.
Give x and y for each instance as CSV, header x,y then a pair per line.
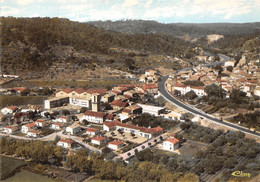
x,y
64,119
109,126
115,144
56,102
98,140
118,104
94,117
56,126
92,131
41,123
10,129
8,110
27,127
170,144
66,143
73,129
33,133
21,116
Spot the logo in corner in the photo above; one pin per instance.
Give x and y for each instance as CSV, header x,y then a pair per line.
x,y
240,174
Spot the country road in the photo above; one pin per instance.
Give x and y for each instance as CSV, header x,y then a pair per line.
x,y
195,111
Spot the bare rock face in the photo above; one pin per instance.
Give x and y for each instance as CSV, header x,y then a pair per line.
x,y
214,37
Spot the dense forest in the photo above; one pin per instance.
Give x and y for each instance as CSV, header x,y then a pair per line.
x,y
28,42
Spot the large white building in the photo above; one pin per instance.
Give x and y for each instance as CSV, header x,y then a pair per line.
x,y
153,110
94,117
185,89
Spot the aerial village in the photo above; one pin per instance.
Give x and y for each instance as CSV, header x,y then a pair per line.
x,y
96,119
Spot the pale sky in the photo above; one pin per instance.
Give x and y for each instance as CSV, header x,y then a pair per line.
x,y
165,11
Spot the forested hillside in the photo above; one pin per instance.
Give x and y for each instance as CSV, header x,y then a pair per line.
x,y
28,43
178,29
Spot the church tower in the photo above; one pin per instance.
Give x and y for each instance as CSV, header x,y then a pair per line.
x,y
95,99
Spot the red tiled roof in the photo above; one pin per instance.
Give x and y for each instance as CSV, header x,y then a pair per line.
x,y
173,140
12,107
30,125
99,91
91,130
115,142
64,117
126,110
59,124
9,127
110,116
150,86
99,138
127,96
96,114
119,103
109,124
122,88
127,86
40,121
33,131
19,89
67,90
115,92
67,141
79,90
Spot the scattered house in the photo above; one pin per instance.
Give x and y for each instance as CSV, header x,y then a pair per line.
x,y
98,140
41,123
94,117
66,143
170,144
115,144
118,104
73,129
27,127
10,129
92,131
109,126
33,133
56,126
8,110
64,119
152,110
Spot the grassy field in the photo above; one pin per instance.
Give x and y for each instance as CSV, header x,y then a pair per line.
x,y
7,100
67,83
9,165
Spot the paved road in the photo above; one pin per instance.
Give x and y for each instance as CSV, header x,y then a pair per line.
x,y
195,111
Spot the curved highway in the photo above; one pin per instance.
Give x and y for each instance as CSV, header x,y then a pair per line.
x,y
195,111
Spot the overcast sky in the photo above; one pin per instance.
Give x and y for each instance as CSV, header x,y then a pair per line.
x,y
165,11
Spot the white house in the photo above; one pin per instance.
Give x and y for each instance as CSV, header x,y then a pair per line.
x,y
33,133
185,89
92,131
65,143
10,129
115,144
153,110
98,140
56,126
73,129
230,63
109,126
257,91
64,119
8,110
94,117
41,123
170,144
27,127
